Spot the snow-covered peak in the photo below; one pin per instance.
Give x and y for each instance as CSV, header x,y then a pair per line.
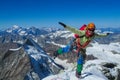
x,y
12,29
65,34
9,30
15,27
50,29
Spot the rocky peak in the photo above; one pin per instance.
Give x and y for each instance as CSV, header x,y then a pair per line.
x,y
14,65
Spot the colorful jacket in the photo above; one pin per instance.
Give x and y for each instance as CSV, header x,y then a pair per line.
x,y
84,39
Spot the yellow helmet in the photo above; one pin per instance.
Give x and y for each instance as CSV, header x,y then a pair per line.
x,y
91,26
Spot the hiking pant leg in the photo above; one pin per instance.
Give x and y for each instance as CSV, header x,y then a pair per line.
x,y
65,49
80,61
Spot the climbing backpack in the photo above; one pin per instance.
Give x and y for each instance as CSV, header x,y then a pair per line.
x,y
82,29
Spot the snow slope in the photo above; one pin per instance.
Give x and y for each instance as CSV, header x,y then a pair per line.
x,y
93,68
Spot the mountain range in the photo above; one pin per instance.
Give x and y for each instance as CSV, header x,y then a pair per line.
x,y
26,54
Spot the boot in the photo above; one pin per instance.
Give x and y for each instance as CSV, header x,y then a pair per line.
x,y
55,54
78,75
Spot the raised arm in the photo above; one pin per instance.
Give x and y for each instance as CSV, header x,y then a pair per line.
x,y
101,35
72,29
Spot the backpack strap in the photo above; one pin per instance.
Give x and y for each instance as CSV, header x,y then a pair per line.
x,y
83,45
81,36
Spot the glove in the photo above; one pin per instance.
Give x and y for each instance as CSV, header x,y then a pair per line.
x,y
62,24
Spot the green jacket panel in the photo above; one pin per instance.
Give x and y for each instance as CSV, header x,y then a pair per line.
x,y
84,39
100,35
76,31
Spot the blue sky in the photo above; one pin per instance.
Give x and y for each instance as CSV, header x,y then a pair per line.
x,y
47,13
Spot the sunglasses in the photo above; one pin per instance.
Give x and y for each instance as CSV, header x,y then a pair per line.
x,y
91,30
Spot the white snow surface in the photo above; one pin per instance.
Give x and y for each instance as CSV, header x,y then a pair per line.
x,y
104,51
22,33
15,49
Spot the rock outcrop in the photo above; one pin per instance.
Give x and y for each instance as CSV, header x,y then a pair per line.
x,y
14,65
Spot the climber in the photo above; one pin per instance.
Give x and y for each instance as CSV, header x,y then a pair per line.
x,y
83,37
